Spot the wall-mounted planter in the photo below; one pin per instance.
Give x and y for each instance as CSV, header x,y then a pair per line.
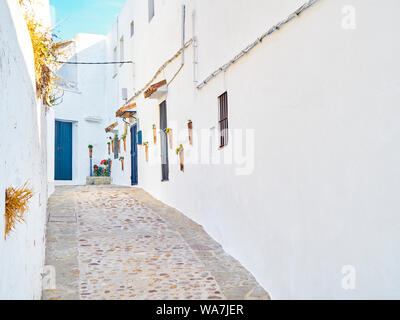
x,y
170,134
155,133
109,148
180,152
190,128
90,151
124,141
122,159
146,148
140,138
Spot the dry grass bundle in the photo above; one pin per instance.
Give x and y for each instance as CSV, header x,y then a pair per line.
x,y
45,54
16,205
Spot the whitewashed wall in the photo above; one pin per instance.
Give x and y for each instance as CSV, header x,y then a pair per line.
x,y
323,101
23,150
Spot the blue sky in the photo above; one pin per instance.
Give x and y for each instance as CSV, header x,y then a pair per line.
x,y
87,16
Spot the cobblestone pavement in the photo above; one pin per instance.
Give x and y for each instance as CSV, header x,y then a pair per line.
x,y
115,243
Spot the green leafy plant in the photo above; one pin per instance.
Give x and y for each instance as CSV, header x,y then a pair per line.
x,y
146,144
179,150
90,146
154,126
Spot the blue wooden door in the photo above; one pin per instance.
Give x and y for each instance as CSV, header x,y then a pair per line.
x,y
63,151
134,156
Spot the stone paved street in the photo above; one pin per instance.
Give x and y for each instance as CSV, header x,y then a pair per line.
x,y
110,243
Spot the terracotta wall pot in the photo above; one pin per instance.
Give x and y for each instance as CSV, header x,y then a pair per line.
x,y
109,149
122,162
112,144
190,127
155,135
171,139
124,145
90,153
147,153
182,160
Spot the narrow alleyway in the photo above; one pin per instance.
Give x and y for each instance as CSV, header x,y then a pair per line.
x,y
120,243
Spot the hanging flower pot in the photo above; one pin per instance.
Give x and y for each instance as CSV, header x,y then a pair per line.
x,y
146,146
113,146
124,141
90,151
180,153
169,132
109,147
119,145
122,159
155,133
190,127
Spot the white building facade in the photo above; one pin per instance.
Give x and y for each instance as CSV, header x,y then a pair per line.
x,y
24,153
303,190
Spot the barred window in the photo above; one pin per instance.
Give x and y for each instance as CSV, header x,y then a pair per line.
x,y
223,119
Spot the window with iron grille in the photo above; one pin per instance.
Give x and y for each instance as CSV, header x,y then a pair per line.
x,y
223,119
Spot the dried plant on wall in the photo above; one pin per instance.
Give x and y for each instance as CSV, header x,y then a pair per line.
x,y
45,53
16,205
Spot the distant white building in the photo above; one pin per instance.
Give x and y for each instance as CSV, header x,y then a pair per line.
x,y
303,187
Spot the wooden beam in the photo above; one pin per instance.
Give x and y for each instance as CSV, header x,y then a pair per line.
x,y
125,109
148,93
112,127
